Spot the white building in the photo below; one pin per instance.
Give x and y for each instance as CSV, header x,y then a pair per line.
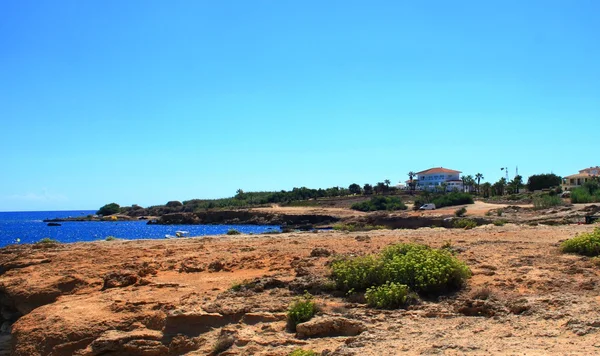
x,y
432,178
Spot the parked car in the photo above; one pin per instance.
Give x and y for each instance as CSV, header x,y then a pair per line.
x,y
427,207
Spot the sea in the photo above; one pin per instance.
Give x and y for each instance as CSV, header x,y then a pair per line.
x,y
28,227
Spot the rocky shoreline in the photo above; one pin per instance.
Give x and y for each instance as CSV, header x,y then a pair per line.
x,y
185,296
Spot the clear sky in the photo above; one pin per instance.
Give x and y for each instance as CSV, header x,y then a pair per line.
x,y
141,102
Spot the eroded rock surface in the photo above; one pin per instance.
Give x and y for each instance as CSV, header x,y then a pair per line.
x,y
162,298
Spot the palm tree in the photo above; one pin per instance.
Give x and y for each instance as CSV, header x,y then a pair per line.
x,y
464,182
487,186
470,182
479,177
411,184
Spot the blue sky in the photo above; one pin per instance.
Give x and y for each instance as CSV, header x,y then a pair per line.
x,y
141,102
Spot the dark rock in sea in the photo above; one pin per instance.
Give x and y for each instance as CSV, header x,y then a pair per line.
x,y
53,224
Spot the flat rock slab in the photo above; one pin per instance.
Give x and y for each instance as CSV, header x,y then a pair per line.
x,y
323,326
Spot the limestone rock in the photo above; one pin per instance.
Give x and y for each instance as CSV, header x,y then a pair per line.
x,y
325,326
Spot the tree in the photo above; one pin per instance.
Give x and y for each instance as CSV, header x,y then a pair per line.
x,y
109,209
387,183
239,194
411,183
354,188
470,183
380,188
516,184
368,189
174,204
486,187
478,177
464,182
499,186
543,181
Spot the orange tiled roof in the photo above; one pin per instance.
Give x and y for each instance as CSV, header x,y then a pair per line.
x,y
579,175
438,170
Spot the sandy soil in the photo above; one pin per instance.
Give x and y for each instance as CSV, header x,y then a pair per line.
x,y
174,296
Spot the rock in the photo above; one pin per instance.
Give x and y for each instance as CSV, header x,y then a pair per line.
x,y
137,342
196,322
225,340
119,279
181,344
262,317
191,266
216,266
326,326
479,307
320,252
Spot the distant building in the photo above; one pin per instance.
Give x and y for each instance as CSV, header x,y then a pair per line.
x,y
579,179
431,178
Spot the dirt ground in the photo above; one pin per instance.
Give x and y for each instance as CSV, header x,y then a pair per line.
x,y
175,296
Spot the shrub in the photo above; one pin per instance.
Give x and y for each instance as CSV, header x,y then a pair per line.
x,y
499,212
425,270
380,203
388,296
357,227
300,352
303,309
47,240
587,244
233,232
441,200
357,273
500,222
546,201
464,224
110,238
589,193
109,209
460,212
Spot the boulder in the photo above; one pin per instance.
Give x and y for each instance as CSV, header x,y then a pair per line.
x,y
119,279
326,326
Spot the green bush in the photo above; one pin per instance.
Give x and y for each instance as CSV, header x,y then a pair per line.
x,y
589,193
587,244
546,201
500,222
47,240
464,224
357,227
110,238
441,200
425,270
233,232
109,209
358,273
460,212
388,296
300,352
303,309
380,203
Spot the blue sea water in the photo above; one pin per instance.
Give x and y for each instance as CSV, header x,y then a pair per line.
x,y
28,227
